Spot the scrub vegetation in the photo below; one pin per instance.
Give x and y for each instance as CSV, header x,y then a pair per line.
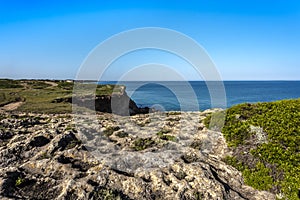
x,y
265,139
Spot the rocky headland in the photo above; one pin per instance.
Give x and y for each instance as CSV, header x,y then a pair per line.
x,y
57,145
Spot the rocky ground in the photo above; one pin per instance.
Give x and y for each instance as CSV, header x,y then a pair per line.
x,y
150,156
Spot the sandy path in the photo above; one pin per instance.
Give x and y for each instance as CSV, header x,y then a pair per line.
x,y
51,83
11,106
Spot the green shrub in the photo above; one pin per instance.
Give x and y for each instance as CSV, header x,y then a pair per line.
x,y
19,181
280,122
168,138
143,143
38,84
122,134
173,113
259,177
164,136
110,130
65,85
73,144
7,84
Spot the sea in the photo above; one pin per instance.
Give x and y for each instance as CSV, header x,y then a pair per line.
x,y
201,95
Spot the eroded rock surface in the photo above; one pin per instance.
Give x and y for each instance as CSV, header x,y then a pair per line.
x,y
151,156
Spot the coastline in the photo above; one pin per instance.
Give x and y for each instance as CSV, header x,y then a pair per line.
x,y
162,151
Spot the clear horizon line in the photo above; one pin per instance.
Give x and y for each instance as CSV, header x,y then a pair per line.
x,y
54,79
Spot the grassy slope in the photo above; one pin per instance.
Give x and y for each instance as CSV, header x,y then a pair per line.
x,y
265,139
38,95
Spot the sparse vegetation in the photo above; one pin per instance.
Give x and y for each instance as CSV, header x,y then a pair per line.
x,y
122,134
143,143
19,181
71,127
65,85
37,84
6,97
196,144
164,136
173,113
108,194
73,143
44,155
168,138
88,89
110,130
197,196
7,84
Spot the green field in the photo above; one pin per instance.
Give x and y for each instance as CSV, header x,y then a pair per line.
x,y
39,96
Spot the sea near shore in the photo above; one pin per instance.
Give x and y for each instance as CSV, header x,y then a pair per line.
x,y
166,95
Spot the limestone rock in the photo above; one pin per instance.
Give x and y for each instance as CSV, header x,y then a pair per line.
x,y
44,157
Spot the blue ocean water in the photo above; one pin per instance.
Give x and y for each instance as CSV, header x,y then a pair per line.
x,y
194,95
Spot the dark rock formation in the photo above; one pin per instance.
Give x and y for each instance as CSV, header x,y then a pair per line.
x,y
118,103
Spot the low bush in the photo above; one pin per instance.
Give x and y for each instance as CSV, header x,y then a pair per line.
x,y
276,166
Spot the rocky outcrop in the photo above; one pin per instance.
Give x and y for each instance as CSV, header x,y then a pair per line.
x,y
47,157
118,103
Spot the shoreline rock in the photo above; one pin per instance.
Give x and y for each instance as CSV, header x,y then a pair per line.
x,y
43,157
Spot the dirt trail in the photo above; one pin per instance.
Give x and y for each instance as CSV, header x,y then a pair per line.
x,y
11,106
51,83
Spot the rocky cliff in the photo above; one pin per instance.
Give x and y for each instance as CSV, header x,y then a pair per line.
x,y
117,102
43,156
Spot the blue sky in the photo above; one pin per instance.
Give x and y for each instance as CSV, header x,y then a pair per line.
x,y
247,40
